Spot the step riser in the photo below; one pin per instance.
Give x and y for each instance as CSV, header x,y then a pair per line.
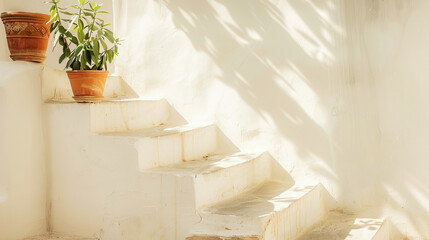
x,y
176,148
300,216
199,142
230,182
383,233
288,223
128,115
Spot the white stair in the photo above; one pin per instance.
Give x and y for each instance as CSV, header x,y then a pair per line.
x,y
349,227
162,146
274,210
219,177
128,115
144,178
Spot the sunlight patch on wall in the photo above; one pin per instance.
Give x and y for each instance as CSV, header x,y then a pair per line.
x,y
306,38
224,17
419,195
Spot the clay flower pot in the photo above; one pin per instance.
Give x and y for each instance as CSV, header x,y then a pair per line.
x,y
27,35
87,85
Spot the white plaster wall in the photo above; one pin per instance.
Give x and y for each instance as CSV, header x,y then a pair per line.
x,y
396,46
285,75
22,152
96,187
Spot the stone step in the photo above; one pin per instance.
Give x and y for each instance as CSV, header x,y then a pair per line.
x,y
119,115
274,210
218,177
128,115
56,87
163,145
338,226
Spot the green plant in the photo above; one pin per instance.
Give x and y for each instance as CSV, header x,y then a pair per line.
x,y
86,42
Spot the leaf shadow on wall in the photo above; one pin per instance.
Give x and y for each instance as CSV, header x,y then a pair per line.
x,y
283,66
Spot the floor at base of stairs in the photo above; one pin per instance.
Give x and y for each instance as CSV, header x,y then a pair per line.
x,y
55,236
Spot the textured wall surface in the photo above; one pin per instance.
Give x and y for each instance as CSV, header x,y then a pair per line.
x,y
288,76
396,46
22,152
335,89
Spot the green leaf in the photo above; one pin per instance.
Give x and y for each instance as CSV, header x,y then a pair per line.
x,y
54,26
76,65
102,12
67,13
88,14
94,58
52,18
80,35
62,57
69,62
94,28
62,29
96,8
107,30
80,24
109,35
67,52
81,2
105,62
53,13
61,40
82,62
87,57
74,40
96,48
78,50
69,34
93,5
104,44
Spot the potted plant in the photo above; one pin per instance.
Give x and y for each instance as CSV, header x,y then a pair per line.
x,y
87,45
27,35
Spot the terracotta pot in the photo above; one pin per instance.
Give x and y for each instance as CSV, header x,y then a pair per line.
x,y
87,84
27,35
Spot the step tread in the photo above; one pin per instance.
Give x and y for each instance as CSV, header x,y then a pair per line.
x,y
264,200
159,131
338,226
104,100
207,165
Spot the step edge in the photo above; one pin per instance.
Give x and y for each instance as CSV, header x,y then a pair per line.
x,y
158,170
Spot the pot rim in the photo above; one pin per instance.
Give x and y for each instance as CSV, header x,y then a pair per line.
x,y
86,71
24,14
